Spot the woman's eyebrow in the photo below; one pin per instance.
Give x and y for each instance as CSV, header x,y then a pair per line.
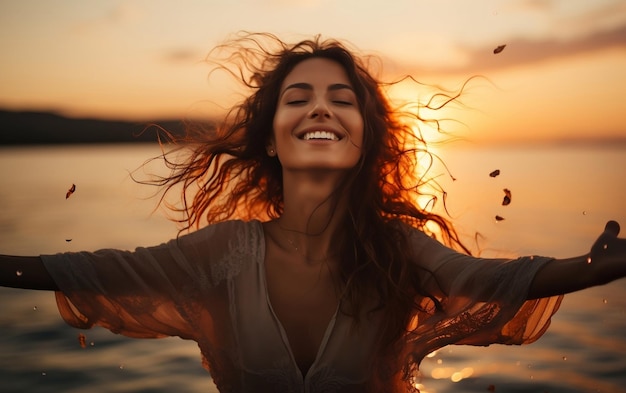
x,y
301,85
308,86
339,86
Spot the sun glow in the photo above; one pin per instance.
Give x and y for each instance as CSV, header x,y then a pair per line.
x,y
438,110
427,136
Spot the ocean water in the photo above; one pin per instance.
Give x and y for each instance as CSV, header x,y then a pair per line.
x,y
561,198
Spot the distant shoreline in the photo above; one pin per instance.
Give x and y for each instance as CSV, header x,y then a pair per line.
x,y
44,128
50,128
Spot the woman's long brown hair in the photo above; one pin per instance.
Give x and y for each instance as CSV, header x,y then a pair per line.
x,y
228,174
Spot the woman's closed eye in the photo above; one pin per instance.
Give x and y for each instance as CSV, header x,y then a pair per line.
x,y
344,97
343,102
303,101
296,102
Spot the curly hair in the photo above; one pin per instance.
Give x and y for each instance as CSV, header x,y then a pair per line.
x,y
232,176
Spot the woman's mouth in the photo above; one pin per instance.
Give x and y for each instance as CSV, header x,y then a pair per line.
x,y
320,135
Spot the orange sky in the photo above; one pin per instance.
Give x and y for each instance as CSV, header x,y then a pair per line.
x,y
561,75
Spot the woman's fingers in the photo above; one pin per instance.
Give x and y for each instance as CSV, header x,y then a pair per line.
x,y
612,227
608,239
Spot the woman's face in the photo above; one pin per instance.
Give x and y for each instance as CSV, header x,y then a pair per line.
x,y
318,124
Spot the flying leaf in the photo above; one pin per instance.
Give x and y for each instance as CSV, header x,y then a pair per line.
x,y
70,191
494,173
82,340
507,197
498,49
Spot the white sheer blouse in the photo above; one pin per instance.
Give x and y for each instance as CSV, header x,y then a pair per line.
x,y
210,286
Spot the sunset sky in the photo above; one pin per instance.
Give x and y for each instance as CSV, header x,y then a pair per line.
x,y
561,75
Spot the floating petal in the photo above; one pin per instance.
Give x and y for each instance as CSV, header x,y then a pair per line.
x,y
499,49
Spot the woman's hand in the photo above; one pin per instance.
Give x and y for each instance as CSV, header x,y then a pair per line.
x,y
608,253
25,272
605,262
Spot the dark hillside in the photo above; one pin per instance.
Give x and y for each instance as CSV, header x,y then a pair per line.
x,y
50,128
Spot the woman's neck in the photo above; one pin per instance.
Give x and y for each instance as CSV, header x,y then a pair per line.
x,y
313,212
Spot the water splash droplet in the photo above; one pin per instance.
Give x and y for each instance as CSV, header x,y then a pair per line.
x,y
122,366
564,357
19,273
588,259
34,308
605,246
43,373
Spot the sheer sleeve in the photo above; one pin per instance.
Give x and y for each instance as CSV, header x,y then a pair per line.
x,y
167,290
481,301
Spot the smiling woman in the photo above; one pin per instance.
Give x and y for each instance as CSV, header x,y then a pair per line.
x,y
316,271
318,124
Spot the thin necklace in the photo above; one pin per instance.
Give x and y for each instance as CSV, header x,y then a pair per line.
x,y
295,246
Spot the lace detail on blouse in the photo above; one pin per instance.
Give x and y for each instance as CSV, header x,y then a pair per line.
x,y
325,380
281,376
207,286
244,245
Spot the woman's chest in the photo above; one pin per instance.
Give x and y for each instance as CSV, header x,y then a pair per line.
x,y
304,299
294,332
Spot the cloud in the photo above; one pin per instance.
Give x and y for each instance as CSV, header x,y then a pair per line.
x,y
296,3
610,16
182,56
537,5
522,51
127,12
122,14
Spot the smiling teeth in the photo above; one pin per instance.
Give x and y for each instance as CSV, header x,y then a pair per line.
x,y
320,135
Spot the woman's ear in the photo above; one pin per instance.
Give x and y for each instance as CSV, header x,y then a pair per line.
x,y
270,148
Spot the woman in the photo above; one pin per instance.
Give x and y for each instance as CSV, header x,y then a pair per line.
x,y
317,271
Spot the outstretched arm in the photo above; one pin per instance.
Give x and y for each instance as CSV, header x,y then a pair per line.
x,y
605,262
25,272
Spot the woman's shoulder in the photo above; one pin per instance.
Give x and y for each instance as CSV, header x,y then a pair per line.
x,y
226,239
405,228
232,225
224,248
225,232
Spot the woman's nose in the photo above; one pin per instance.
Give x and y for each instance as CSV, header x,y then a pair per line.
x,y
320,109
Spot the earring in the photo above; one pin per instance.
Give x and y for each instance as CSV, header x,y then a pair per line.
x,y
271,152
